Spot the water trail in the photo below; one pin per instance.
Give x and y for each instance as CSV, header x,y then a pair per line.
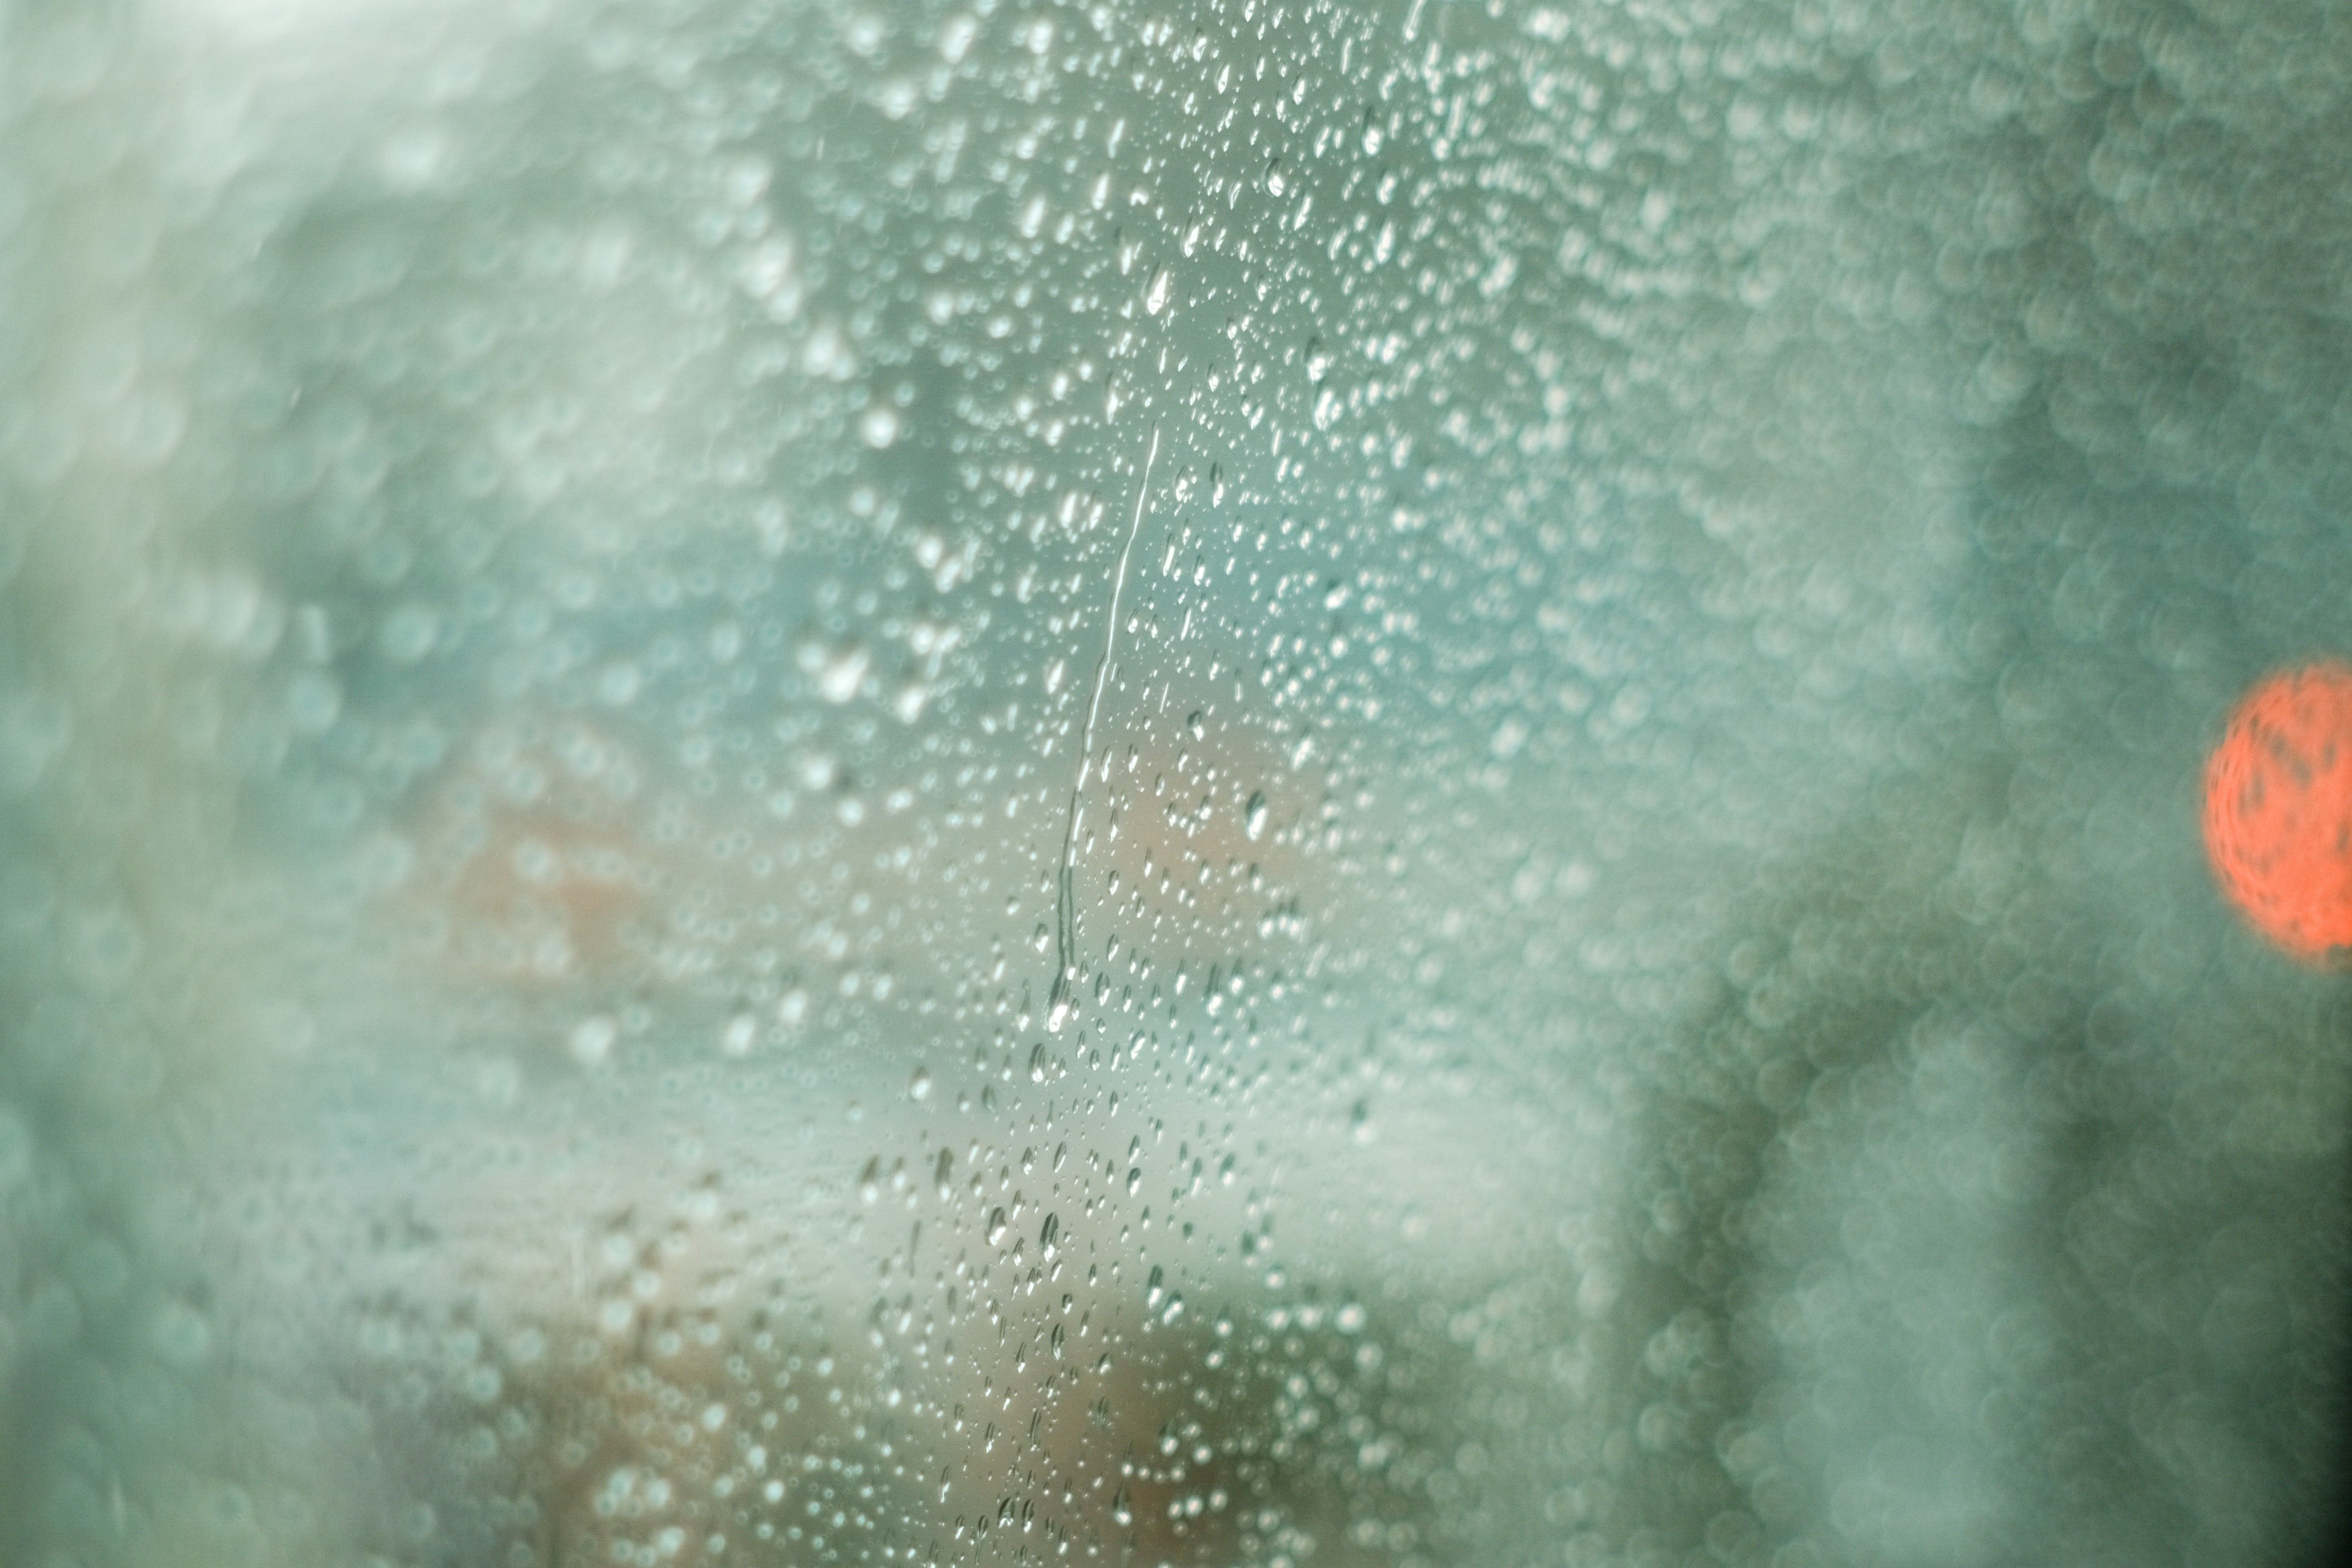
x,y
1065,906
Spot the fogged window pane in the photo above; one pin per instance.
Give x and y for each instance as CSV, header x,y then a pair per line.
x,y
1239,782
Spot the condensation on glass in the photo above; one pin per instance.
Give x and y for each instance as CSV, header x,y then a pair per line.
x,y
1246,782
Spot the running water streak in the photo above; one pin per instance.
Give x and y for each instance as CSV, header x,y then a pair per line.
x,y
1066,909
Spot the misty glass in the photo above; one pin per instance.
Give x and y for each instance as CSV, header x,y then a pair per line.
x,y
984,782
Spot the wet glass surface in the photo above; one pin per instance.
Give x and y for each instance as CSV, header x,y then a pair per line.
x,y
1234,783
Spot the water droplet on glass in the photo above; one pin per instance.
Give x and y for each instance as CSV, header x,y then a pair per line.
x,y
840,673
742,1031
591,1040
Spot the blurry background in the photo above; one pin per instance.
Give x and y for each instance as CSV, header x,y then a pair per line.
x,y
1581,638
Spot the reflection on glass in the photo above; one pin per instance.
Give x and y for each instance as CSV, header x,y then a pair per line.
x,y
1243,783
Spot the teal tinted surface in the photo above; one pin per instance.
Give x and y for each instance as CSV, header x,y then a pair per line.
x,y
1224,784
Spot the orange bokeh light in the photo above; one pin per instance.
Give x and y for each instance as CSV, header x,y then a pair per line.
x,y
2278,808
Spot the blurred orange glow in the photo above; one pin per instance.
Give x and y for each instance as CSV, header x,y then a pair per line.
x,y
2278,808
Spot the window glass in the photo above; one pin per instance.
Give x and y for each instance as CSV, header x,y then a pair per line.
x,y
1237,781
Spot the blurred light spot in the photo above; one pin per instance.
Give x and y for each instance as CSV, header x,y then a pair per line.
x,y
2278,808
